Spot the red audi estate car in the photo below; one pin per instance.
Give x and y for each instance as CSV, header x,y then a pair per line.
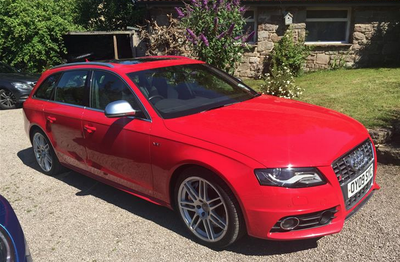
x,y
182,134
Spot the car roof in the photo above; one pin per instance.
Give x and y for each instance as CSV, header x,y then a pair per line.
x,y
133,64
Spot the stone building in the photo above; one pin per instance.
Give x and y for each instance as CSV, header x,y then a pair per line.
x,y
351,33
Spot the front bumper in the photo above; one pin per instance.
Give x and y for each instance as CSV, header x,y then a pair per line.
x,y
280,202
21,96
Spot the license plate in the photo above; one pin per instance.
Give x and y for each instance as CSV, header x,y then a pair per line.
x,y
359,182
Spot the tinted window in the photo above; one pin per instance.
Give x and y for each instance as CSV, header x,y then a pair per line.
x,y
71,87
188,89
107,88
45,90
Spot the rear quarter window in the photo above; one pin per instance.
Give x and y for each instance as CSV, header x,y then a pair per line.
x,y
71,87
45,90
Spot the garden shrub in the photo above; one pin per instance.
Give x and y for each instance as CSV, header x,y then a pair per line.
x,y
280,82
214,30
291,53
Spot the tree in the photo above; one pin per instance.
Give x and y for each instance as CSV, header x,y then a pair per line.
x,y
214,29
31,32
108,14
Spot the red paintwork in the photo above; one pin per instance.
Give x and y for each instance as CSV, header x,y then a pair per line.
x,y
140,157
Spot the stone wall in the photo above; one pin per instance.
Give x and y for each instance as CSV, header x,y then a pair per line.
x,y
376,36
374,39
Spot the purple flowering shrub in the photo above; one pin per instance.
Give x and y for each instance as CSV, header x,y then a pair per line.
x,y
214,30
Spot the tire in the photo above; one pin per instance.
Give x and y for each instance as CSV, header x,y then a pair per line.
x,y
44,154
213,215
7,99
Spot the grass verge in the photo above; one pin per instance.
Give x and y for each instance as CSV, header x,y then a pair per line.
x,y
372,96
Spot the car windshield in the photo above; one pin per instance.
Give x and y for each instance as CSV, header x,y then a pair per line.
x,y
188,89
4,68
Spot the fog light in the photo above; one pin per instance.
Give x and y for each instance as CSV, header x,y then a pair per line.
x,y
289,223
326,217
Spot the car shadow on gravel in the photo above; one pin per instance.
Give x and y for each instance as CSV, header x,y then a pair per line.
x,y
162,215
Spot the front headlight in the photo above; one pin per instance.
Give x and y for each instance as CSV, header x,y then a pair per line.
x,y
21,86
290,177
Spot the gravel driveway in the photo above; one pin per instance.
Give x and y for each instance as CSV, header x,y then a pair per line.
x,y
74,218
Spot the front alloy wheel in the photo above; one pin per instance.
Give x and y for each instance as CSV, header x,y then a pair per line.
x,y
208,210
7,99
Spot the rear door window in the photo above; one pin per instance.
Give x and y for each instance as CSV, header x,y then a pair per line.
x,y
45,90
71,87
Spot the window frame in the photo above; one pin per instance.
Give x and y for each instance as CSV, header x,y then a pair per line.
x,y
347,20
254,19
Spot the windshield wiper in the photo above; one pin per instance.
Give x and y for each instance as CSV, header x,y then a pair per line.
x,y
216,107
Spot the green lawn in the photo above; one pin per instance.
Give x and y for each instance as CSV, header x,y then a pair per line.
x,y
372,96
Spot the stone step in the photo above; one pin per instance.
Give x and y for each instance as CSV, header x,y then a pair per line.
x,y
388,154
381,135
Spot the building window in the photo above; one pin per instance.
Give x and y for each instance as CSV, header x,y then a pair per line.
x,y
251,25
328,25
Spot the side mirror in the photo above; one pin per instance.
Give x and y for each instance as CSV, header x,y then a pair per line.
x,y
120,108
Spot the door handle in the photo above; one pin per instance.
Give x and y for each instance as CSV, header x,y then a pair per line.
x,y
51,119
89,129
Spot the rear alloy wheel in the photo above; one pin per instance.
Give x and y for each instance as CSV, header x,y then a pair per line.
x,y
7,99
44,154
208,210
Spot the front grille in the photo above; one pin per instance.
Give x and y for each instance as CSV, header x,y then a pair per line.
x,y
350,166
310,220
345,170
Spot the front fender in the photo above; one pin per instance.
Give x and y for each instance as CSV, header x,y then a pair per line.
x,y
170,156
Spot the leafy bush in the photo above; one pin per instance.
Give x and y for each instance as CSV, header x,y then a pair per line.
x,y
291,53
163,40
214,29
280,82
31,32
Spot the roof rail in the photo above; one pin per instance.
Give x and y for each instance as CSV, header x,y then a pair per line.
x,y
85,63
